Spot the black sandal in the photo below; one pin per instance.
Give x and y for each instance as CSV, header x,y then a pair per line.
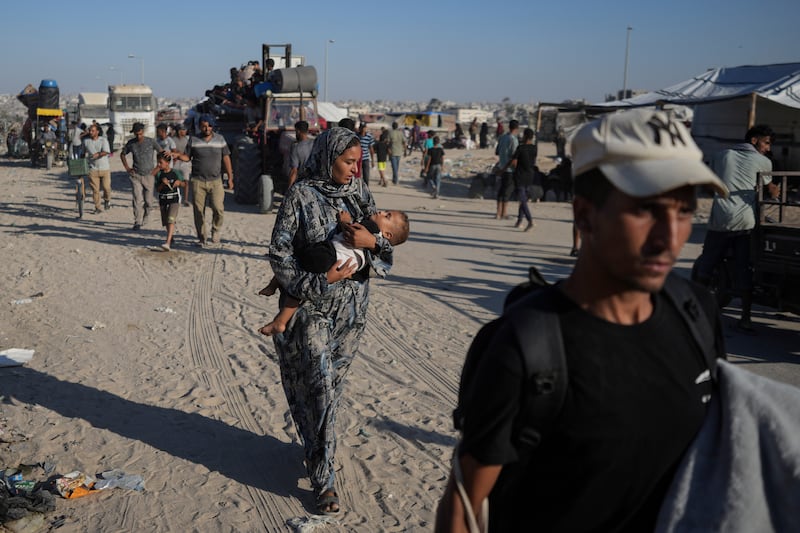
x,y
328,502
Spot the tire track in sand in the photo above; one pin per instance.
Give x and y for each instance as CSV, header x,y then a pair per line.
x,y
420,363
395,363
216,372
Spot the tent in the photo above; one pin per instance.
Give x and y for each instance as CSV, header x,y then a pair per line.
x,y
778,83
727,101
330,112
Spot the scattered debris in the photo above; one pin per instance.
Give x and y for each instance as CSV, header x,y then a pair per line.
x,y
27,300
74,485
304,524
23,502
111,479
15,357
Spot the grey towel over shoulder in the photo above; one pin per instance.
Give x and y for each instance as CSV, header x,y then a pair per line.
x,y
742,472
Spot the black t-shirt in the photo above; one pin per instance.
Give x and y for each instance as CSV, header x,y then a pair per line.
x,y
381,150
436,155
632,408
526,165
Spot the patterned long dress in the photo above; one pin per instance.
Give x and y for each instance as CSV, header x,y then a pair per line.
x,y
322,338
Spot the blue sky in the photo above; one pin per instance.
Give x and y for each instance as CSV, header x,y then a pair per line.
x,y
526,50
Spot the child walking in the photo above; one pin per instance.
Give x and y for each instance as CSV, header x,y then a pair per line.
x,y
169,182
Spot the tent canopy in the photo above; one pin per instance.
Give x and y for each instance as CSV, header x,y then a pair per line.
x,y
779,83
331,112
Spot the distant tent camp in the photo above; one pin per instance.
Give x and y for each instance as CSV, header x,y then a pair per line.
x,y
727,101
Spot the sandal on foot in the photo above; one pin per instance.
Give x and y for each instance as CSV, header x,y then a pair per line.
x,y
746,326
328,502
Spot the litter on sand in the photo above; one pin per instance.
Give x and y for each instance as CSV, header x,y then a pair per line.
x,y
74,485
15,357
112,479
305,524
23,301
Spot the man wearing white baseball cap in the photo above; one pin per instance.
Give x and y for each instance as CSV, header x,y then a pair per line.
x,y
639,347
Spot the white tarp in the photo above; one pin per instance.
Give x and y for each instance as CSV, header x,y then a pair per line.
x,y
779,83
331,112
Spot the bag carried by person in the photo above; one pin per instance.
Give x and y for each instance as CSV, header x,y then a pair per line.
x,y
171,196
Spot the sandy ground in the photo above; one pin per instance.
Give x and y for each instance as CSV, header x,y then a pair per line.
x,y
150,362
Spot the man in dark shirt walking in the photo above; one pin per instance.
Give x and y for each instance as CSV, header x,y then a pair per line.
x,y
433,167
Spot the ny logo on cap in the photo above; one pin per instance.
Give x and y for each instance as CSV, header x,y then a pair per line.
x,y
665,130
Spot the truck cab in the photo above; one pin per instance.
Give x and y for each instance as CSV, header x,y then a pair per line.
x,y
129,104
92,107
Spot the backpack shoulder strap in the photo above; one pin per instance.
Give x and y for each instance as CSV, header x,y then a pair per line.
x,y
535,324
685,301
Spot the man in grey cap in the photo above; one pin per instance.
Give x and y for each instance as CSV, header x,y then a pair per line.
x,y
638,372
142,173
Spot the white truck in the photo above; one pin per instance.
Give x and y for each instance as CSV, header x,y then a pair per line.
x,y
129,104
91,107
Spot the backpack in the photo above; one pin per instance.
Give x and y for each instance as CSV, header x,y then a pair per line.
x,y
530,311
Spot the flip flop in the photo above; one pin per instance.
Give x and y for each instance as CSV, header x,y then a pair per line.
x,y
326,501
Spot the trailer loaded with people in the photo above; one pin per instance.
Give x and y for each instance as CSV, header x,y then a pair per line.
x,y
256,112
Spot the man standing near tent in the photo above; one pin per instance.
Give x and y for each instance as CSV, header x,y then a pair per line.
x,y
732,219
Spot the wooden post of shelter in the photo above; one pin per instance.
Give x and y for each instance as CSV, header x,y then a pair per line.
x,y
751,114
538,118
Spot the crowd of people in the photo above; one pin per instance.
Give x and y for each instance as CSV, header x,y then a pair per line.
x,y
633,199
633,180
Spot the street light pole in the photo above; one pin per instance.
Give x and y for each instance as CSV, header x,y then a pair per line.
x,y
141,61
329,41
625,74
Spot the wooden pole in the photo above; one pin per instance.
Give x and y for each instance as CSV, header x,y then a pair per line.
x,y
539,118
751,115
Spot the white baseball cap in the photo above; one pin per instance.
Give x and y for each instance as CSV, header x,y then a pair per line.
x,y
643,153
